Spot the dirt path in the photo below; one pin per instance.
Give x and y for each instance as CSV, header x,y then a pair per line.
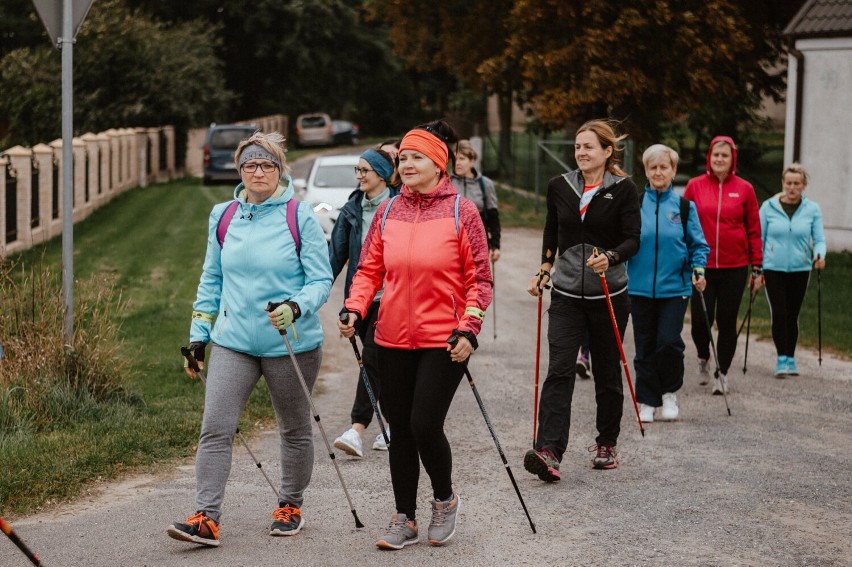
x,y
770,485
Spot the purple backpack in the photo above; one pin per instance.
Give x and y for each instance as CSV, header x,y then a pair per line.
x,y
292,223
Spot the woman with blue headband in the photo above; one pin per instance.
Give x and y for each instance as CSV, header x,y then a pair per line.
x,y
374,172
262,247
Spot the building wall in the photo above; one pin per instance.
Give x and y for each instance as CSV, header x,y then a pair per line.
x,y
826,131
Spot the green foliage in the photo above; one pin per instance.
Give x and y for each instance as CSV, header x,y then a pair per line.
x,y
45,384
128,71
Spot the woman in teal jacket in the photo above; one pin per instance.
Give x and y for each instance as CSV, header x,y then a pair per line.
x,y
793,243
261,248
671,258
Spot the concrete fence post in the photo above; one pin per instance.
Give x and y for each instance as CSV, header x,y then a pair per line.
x,y
43,162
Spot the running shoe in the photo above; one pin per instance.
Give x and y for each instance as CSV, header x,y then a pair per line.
x,y
670,410
443,524
606,456
197,529
791,367
703,372
379,444
542,463
350,443
584,365
287,520
646,413
401,532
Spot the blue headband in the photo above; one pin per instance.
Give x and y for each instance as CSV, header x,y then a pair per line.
x,y
380,164
256,152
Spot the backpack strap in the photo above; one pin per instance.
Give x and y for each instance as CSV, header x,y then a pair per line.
x,y
456,214
387,210
225,221
292,223
484,194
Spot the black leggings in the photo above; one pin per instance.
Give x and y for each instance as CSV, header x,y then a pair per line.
x,y
417,389
723,294
785,292
362,407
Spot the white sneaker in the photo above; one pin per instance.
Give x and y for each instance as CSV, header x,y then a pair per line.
x,y
720,383
379,444
350,443
670,410
703,372
646,413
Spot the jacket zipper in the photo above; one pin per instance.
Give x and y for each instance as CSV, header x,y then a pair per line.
x,y
417,203
656,246
718,220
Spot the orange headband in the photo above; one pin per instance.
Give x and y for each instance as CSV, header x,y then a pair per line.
x,y
427,144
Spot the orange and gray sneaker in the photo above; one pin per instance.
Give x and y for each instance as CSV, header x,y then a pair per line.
x,y
197,529
401,532
286,520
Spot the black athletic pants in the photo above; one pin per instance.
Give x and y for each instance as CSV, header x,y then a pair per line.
x,y
570,320
785,292
362,407
417,389
723,294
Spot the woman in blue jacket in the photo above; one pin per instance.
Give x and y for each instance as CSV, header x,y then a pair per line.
x,y
255,255
671,258
375,172
793,243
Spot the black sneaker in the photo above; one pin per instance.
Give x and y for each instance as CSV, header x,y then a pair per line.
x,y
197,529
606,456
286,520
542,463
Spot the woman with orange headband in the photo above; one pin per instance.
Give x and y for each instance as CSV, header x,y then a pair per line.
x,y
429,248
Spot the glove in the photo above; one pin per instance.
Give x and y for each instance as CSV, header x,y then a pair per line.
x,y
196,348
284,315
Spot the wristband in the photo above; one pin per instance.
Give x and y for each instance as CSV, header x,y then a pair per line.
x,y
542,273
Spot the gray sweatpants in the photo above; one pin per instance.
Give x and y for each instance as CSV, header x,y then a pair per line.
x,y
230,380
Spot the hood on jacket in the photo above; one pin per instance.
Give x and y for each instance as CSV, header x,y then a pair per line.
x,y
283,193
476,175
445,188
730,141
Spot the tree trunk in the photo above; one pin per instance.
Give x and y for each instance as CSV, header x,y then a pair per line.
x,y
504,113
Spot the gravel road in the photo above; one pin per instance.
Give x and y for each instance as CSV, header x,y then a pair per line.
x,y
769,485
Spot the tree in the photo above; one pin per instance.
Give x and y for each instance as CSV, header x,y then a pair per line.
x,y
128,71
646,62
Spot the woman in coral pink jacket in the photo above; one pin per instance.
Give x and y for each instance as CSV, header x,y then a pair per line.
x,y
727,209
429,248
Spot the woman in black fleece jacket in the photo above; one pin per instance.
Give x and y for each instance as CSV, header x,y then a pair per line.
x,y
594,206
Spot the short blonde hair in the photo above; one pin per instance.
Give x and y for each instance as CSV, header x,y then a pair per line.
x,y
796,167
272,142
466,149
657,151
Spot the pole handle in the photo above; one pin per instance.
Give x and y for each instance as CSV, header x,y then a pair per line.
x,y
187,353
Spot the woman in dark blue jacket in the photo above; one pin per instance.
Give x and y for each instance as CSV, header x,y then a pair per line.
x,y
374,172
671,258
793,242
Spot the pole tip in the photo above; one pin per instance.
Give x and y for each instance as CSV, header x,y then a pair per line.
x,y
729,412
358,523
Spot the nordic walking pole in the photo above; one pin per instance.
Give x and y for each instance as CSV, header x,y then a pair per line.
x,y
344,318
747,316
452,342
193,364
620,345
10,533
271,307
716,373
494,296
819,311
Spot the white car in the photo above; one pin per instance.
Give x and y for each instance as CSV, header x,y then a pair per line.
x,y
330,183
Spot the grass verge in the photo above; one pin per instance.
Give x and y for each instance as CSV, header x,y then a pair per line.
x,y
151,243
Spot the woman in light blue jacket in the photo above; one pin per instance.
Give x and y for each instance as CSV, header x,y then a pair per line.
x,y
262,247
671,258
793,243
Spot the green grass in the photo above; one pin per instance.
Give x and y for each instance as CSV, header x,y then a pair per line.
x,y
152,240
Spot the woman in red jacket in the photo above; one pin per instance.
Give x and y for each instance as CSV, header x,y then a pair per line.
x,y
727,209
429,249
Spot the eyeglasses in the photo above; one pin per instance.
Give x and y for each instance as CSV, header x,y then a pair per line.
x,y
362,171
265,167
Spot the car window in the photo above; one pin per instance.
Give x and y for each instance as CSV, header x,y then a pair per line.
x,y
228,139
313,122
335,176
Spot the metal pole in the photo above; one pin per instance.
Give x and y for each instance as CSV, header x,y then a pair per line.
x,y
66,44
